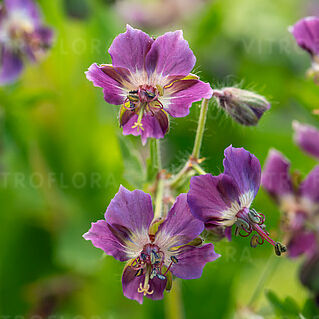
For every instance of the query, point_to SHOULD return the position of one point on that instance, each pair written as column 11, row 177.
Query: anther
column 174, row 259
column 279, row 249
column 139, row 273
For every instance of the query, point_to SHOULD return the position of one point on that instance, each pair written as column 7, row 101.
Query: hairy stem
column 160, row 183
column 178, row 179
column 200, row 129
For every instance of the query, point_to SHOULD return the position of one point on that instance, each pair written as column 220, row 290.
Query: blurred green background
column 63, row 157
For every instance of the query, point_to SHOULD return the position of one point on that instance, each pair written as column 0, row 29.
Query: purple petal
column 153, row 126
column 180, row 223
column 210, row 196
column 109, row 81
column 306, row 33
column 179, row 97
column 132, row 210
column 11, row 66
column 27, row 7
column 43, row 36
column 191, row 261
column 307, row 138
column 129, row 49
column 310, row 186
column 170, row 55
column 131, row 283
column 103, row 238
column 276, row 178
column 302, row 242
column 244, row 168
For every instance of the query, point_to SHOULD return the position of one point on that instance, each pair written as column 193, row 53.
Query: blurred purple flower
column 22, row 36
column 149, row 79
column 306, row 33
column 153, row 250
column 145, row 13
column 307, row 138
column 225, row 200
column 298, row 202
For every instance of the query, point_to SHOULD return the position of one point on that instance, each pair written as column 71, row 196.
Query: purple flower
column 153, row 250
column 226, row 199
column 306, row 33
column 22, row 36
column 149, row 79
column 298, row 202
column 307, row 138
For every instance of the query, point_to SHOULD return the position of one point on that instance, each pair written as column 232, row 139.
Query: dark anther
column 133, row 92
column 256, row 240
column 279, row 248
column 151, row 95
column 139, row 273
column 160, row 276
column 174, row 259
column 143, row 256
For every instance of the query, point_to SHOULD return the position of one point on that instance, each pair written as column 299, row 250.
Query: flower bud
column 243, row 106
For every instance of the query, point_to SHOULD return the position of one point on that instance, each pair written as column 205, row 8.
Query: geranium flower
column 307, row 138
column 149, row 79
column 226, row 199
column 22, row 36
column 153, row 250
column 306, row 33
column 300, row 203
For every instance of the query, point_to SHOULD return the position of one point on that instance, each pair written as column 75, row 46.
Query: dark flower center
column 144, row 100
column 150, row 263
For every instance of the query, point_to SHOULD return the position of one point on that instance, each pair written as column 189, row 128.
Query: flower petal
column 131, row 283
column 179, row 96
column 170, row 55
column 309, row 188
column 276, row 178
column 244, row 168
column 129, row 49
column 103, row 238
column 307, row 138
column 302, row 242
column 180, row 226
column 191, row 261
column 132, row 210
column 11, row 66
column 154, row 126
column 27, row 7
column 109, row 81
column 214, row 199
column 306, row 33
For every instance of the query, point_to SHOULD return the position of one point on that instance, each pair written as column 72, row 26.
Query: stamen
column 138, row 124
column 145, row 289
column 251, row 220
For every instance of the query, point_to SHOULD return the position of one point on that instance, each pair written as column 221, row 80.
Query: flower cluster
column 150, row 79
column 22, row 36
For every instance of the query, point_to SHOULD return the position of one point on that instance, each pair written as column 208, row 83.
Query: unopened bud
column 243, row 106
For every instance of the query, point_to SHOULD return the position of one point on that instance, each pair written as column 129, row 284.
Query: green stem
column 189, row 165
column 200, row 129
column 173, row 302
column 198, row 169
column 160, row 183
column 269, row 269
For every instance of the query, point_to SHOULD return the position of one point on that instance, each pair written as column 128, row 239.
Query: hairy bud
column 243, row 106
